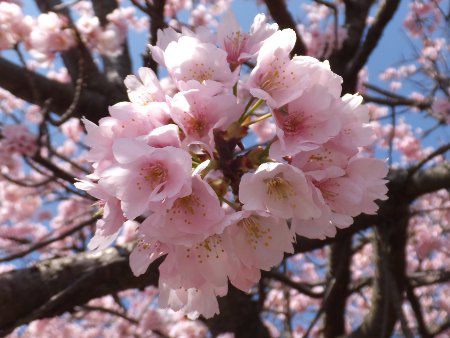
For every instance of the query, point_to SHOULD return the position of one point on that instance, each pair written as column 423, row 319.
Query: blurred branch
column 334, row 8
column 14, row 78
column 281, row 15
column 157, row 22
column 49, row 241
column 30, row 293
column 439, row 151
column 302, row 288
column 386, row 11
column 417, row 309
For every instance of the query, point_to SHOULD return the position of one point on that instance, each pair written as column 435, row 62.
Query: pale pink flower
column 369, row 174
column 165, row 36
column 51, row 34
column 164, row 136
column 241, row 47
column 192, row 301
column 258, row 239
column 191, row 59
column 146, row 174
column 14, row 25
column 276, row 78
column 127, row 121
column 201, row 16
column 323, row 162
column 206, row 262
column 112, row 219
column 280, row 189
column 144, row 253
column 146, row 89
column 199, row 111
column 305, row 123
column 188, row 329
column 72, row 129
column 356, row 130
column 189, row 219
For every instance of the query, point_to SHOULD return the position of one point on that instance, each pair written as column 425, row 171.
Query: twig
column 321, row 309
column 439, row 151
column 300, row 287
column 76, row 97
column 43, row 244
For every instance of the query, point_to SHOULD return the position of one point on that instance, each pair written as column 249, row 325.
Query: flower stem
column 259, row 119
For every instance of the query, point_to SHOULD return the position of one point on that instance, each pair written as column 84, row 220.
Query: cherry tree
column 225, row 181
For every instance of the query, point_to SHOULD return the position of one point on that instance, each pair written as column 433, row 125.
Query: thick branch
column 279, row 12
column 429, row 180
column 25, row 291
column 385, row 13
column 14, row 79
column 340, row 261
column 356, row 12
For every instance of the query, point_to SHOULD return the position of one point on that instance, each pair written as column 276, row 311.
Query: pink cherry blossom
column 191, row 59
column 356, row 132
column 276, row 78
column 199, row 111
column 241, row 47
column 145, row 90
column 190, row 219
column 280, row 189
column 258, row 239
column 145, row 174
column 18, row 139
column 50, row 35
column 370, row 174
column 305, row 123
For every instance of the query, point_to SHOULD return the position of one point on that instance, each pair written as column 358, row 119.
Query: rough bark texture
column 39, row 291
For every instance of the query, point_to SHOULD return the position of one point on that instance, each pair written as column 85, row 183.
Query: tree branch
column 60, row 95
column 107, row 272
column 385, row 13
column 281, row 15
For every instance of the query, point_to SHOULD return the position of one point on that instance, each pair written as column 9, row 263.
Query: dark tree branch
column 417, row 309
column 385, row 13
column 429, row 180
column 302, row 288
column 43, row 244
column 356, row 12
column 59, row 95
column 439, row 151
column 334, row 308
column 426, row 278
column 156, row 13
column 281, row 15
column 106, row 272
column 238, row 314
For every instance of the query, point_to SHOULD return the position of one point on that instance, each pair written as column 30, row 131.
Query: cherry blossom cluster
column 218, row 212
column 50, row 32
